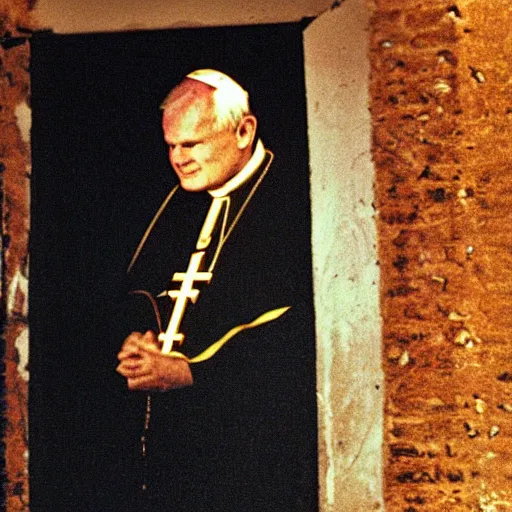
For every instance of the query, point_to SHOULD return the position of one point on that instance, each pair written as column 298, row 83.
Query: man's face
column 203, row 156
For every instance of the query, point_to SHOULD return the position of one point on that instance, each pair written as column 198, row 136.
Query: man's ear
column 246, row 132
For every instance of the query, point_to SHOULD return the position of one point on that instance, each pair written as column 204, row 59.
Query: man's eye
column 185, row 145
column 189, row 144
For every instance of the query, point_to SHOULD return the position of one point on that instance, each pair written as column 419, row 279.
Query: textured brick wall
column 14, row 170
column 441, row 91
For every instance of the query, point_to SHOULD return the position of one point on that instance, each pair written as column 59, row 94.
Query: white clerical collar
column 242, row 176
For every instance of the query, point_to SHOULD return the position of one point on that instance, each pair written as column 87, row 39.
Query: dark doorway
column 100, row 170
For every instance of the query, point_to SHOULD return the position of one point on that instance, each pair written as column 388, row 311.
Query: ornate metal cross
column 181, row 297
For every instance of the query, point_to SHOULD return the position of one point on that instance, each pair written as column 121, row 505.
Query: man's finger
column 140, row 383
column 147, row 347
column 149, row 343
column 131, row 353
column 131, row 372
column 131, row 364
column 132, row 338
column 129, row 347
column 150, row 336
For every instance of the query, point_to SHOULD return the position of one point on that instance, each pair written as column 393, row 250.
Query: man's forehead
column 189, row 117
column 188, row 102
column 186, row 92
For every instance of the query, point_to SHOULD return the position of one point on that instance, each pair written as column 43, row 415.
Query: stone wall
column 15, row 26
column 441, row 89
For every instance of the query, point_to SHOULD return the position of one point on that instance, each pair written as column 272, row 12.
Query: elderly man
column 222, row 316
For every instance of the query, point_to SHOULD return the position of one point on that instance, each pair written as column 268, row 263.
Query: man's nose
column 178, row 154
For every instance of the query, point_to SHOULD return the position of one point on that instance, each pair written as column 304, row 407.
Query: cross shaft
column 181, row 297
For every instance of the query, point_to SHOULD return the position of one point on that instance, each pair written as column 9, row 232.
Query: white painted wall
column 346, row 282
column 74, row 16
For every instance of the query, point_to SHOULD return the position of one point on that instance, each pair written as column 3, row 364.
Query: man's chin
column 193, row 185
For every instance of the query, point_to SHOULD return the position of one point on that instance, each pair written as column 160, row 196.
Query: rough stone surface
column 441, row 105
column 15, row 25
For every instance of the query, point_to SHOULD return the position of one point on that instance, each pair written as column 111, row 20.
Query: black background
column 100, row 170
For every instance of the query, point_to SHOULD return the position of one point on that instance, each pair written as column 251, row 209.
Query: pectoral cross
column 181, row 297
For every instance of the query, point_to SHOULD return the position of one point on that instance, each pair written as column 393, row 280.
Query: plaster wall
column 63, row 16
column 350, row 392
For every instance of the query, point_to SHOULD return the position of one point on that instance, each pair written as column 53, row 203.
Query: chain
column 143, row 442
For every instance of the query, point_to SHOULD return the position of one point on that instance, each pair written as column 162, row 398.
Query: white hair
column 230, row 100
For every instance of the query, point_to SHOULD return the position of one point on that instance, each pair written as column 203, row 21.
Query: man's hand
column 146, row 368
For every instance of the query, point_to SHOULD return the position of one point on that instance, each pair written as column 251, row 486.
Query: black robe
column 243, row 437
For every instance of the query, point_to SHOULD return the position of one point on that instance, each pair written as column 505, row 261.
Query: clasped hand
column 146, row 368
